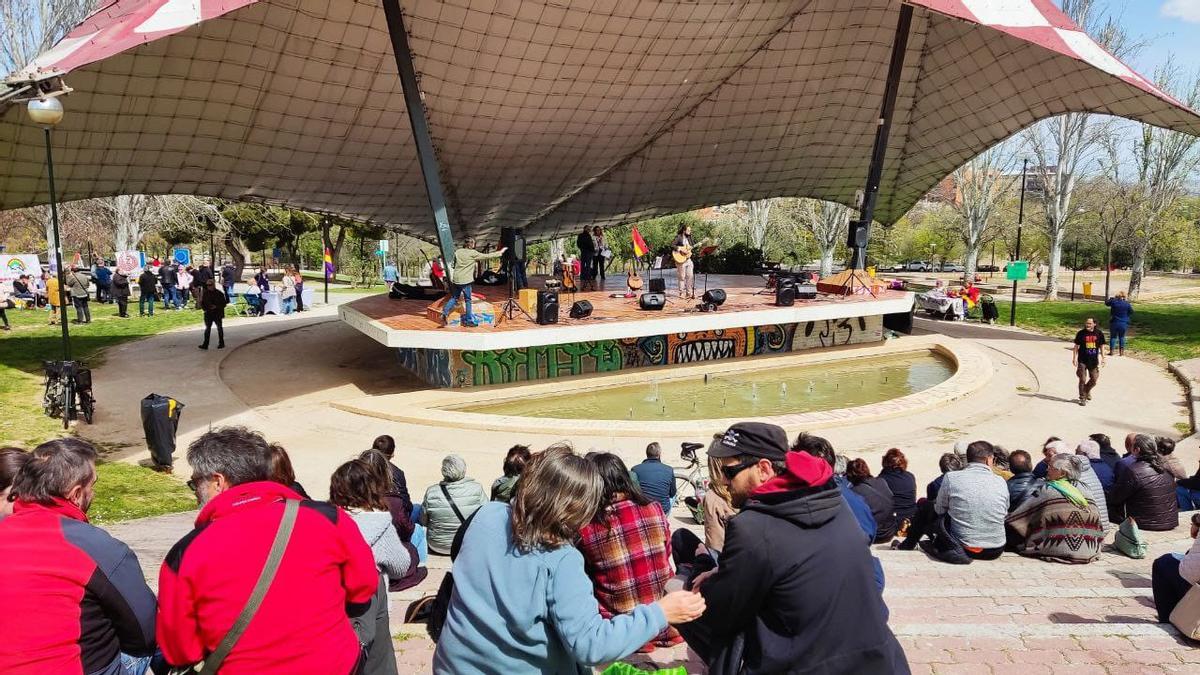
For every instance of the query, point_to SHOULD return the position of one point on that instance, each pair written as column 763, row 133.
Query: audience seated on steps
column 1091, row 478
column 1173, row 575
column 902, row 484
column 514, row 463
column 1145, row 490
column 923, row 522
column 1059, row 521
column 876, row 493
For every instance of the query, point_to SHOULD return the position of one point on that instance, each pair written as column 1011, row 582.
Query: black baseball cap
column 751, row 438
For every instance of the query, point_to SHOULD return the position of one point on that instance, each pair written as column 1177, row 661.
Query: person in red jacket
column 74, row 599
column 327, row 570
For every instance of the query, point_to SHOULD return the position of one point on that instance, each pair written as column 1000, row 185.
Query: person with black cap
column 794, row 583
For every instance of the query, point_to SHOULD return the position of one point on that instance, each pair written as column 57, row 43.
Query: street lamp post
column 1012, row 308
column 47, row 113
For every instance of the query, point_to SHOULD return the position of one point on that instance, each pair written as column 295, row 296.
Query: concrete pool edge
column 973, row 369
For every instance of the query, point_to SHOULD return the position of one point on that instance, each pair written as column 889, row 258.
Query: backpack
column 1129, row 540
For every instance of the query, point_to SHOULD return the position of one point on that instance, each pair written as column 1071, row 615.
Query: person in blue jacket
column 1120, row 311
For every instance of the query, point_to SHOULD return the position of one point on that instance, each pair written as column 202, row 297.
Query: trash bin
column 1087, row 288
column 160, row 421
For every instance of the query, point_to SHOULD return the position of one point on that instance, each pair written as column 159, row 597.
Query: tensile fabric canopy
column 549, row 116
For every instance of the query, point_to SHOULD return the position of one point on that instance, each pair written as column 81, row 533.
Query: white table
column 271, row 303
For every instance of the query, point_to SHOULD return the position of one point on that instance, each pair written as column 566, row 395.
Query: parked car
column 918, row 266
column 988, row 268
column 953, row 267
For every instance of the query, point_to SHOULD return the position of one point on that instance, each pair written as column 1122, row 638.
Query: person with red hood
column 302, row 625
column 794, row 586
column 74, row 598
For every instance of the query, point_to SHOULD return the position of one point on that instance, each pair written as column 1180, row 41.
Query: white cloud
column 1186, row 10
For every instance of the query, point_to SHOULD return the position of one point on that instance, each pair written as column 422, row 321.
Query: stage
column 619, row 335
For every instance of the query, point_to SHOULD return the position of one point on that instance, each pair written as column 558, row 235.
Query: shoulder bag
column 212, row 662
column 432, row 609
column 1186, row 615
column 1129, row 540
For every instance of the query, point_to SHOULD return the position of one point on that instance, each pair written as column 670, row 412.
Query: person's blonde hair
column 560, row 492
column 716, row 481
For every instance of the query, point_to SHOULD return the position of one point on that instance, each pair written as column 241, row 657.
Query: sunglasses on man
column 730, row 471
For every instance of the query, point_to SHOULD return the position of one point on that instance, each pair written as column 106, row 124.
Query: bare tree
column 1119, row 201
column 129, row 218
column 1063, row 146
column 981, row 183
column 828, row 222
column 30, row 27
column 1165, row 161
column 757, row 213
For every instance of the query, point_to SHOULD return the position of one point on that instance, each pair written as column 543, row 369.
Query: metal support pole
column 1012, row 310
column 858, row 246
column 58, row 260
column 325, row 247
column 420, row 127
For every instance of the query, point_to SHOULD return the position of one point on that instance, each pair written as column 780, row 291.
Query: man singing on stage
column 684, row 267
column 462, row 275
column 1087, row 356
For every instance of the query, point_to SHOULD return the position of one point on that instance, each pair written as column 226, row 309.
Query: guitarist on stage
column 684, row 267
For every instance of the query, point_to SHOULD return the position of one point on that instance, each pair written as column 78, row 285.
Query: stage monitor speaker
column 652, row 301
column 581, row 309
column 714, row 297
column 901, row 322
column 514, row 240
column 547, row 307
column 858, row 234
column 658, row 285
column 806, row 291
column 785, row 295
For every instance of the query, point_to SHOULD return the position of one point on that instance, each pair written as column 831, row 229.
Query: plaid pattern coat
column 628, row 557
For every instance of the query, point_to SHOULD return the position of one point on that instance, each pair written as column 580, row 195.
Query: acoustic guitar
column 634, row 281
column 682, row 254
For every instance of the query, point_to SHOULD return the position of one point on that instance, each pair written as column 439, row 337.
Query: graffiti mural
column 472, row 368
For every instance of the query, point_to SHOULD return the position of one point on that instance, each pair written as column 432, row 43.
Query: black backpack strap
column 452, row 504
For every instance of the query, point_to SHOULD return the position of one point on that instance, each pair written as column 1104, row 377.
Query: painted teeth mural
column 475, row 368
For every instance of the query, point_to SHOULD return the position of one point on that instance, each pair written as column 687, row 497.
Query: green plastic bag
column 620, row 668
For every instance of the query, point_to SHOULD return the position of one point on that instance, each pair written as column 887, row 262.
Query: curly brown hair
column 894, row 459
column 560, row 493
column 858, row 470
column 355, row 485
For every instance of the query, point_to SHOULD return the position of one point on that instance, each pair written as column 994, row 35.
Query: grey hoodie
column 390, row 555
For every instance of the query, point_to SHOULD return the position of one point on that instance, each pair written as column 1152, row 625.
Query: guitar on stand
column 632, row 280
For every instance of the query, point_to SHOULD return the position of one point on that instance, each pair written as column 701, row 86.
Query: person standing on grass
column 1120, row 313
column 4, row 303
column 78, row 282
column 120, row 293
column 103, row 278
column 168, row 276
column 228, row 278
column 1088, row 357
column 54, row 298
column 148, row 289
column 213, row 303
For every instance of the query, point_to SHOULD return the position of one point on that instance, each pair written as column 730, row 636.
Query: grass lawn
column 1170, row 332
column 123, row 490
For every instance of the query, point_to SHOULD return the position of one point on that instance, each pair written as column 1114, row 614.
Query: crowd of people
column 568, row 561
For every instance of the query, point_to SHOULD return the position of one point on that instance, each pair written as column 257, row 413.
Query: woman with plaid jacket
column 627, row 547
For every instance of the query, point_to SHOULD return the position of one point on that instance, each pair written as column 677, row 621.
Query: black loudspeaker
column 581, row 309
column 658, row 285
column 858, row 234
column 901, row 322
column 806, row 291
column 714, row 297
column 785, row 295
column 547, row 307
column 514, row 240
column 652, row 300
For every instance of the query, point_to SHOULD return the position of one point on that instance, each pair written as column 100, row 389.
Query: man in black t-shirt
column 1087, row 356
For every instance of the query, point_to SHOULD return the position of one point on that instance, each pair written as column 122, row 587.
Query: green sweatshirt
column 463, row 271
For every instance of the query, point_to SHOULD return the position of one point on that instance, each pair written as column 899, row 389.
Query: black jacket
column 1146, row 495
column 213, row 302
column 202, row 276
column 876, row 493
column 120, row 285
column 795, row 591
column 587, row 245
column 904, row 491
column 148, row 283
column 169, row 275
column 1020, row 486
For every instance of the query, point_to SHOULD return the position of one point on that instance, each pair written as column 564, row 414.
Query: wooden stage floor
column 404, row 323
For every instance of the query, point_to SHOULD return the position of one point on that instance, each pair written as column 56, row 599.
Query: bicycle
column 692, row 482
column 68, row 391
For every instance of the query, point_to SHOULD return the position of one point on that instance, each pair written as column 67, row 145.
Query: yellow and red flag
column 639, row 245
column 328, row 263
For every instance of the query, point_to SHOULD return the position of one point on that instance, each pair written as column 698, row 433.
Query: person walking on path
column 228, row 278
column 1088, row 356
column 120, row 293
column 1120, row 312
column 1041, row 269
column 54, row 298
column 213, row 303
column 390, row 274
column 148, row 289
column 77, row 284
column 462, row 275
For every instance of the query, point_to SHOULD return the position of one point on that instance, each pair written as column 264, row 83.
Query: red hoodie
column 302, row 626
column 804, row 471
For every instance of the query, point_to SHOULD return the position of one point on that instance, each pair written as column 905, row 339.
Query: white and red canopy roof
column 550, row 115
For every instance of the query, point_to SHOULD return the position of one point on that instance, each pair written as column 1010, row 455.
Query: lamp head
column 45, row 112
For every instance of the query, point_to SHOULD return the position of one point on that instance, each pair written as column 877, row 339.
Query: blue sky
column 1167, row 26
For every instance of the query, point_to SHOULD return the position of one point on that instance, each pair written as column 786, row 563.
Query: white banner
column 13, row 266
column 130, row 263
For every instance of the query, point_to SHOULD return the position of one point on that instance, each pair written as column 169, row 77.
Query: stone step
column 998, row 631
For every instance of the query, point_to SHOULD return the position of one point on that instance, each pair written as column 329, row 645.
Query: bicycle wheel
column 68, row 402
column 684, row 488
column 87, row 405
